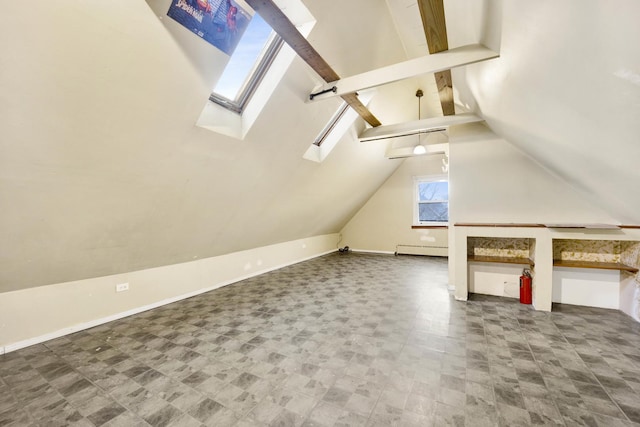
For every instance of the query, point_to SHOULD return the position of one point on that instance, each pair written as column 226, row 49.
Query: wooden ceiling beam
column 445, row 91
column 435, row 29
column 355, row 103
column 272, row 14
column 434, row 24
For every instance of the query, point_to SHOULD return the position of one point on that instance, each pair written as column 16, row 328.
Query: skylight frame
column 255, row 76
column 342, row 110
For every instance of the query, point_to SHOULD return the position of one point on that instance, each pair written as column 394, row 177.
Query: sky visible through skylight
column 244, row 58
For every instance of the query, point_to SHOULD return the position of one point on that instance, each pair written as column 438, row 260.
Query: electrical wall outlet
column 122, row 287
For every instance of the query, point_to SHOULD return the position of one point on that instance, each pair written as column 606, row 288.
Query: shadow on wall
column 491, row 32
column 206, row 59
column 608, row 201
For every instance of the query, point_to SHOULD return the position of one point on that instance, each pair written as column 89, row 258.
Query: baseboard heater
column 422, row 250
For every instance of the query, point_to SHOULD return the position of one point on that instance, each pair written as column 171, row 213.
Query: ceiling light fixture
column 425, row 145
column 419, row 149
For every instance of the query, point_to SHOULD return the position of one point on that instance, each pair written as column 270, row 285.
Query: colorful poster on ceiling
column 220, row 22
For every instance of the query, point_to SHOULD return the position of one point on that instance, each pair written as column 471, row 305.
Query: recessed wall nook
column 590, row 265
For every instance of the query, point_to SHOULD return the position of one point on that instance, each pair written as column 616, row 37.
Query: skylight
column 332, row 124
column 249, row 62
column 253, row 82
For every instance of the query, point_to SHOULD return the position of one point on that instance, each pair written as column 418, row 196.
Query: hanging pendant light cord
column 419, row 148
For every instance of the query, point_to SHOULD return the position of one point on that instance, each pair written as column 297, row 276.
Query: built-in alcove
column 594, row 273
column 582, row 264
column 503, row 250
column 496, row 263
column 598, row 254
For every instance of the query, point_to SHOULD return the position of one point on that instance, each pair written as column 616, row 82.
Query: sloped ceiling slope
column 566, row 90
column 102, row 169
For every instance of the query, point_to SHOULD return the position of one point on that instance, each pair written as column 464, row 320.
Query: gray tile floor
column 342, row 340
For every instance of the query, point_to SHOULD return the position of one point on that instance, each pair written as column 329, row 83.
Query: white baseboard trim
column 367, row 251
column 97, row 322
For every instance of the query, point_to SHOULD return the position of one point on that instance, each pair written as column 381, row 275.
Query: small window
column 431, row 203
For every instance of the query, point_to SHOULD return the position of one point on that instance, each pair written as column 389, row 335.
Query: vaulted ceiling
column 103, row 171
column 566, row 91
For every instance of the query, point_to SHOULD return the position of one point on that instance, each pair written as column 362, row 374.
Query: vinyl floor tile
column 341, row 340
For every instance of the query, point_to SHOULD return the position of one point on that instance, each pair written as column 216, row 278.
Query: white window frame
column 336, row 129
column 224, row 120
column 416, row 198
column 253, row 79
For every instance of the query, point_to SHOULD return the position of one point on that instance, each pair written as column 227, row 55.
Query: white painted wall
column 493, row 181
column 103, row 171
column 38, row 314
column 385, row 220
column 588, row 287
column 565, row 90
column 630, row 295
column 501, row 280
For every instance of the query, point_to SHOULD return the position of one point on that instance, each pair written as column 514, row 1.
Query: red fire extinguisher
column 525, row 287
